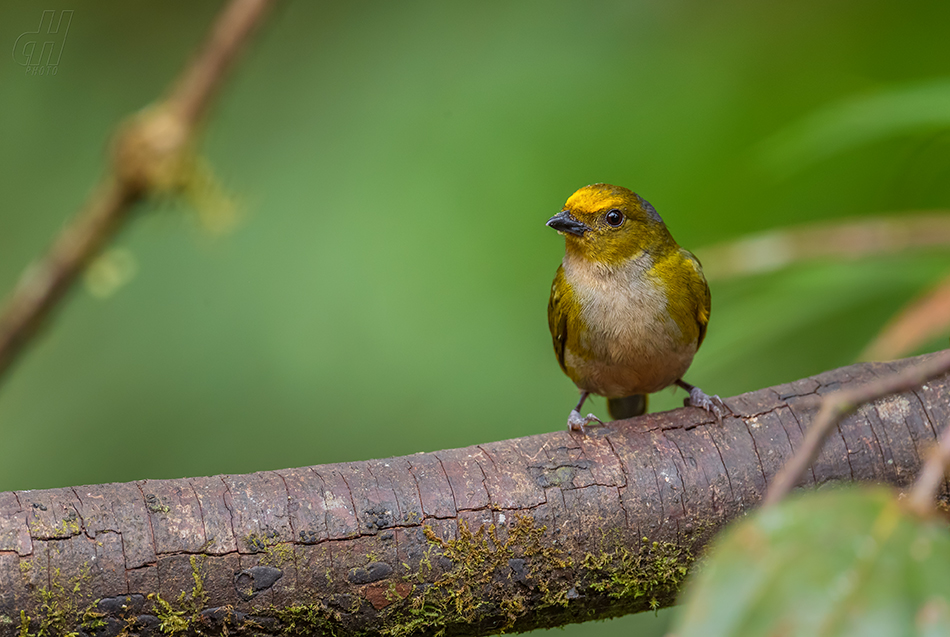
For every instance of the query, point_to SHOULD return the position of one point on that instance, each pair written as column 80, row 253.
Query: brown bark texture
column 505, row 536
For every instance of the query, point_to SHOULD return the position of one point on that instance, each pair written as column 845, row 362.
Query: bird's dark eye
column 614, row 217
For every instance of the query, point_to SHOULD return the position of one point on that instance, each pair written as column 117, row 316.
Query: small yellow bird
column 628, row 306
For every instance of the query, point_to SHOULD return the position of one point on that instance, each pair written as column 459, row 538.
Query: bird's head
column 609, row 225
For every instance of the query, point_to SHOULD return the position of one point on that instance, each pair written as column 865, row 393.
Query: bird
column 628, row 307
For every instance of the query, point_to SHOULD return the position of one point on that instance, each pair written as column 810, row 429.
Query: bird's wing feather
column 700, row 288
column 557, row 317
column 702, row 316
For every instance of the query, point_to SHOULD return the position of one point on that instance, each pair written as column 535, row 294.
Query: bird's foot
column 712, row 404
column 576, row 422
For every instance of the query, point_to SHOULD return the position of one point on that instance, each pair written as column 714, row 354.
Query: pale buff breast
column 628, row 344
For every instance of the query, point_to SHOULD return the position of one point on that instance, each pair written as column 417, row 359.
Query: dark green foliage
column 845, row 562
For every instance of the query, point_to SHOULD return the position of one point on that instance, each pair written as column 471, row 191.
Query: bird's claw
column 576, row 422
column 712, row 404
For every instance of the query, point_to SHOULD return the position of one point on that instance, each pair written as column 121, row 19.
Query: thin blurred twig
column 149, row 152
column 849, row 239
column 839, row 404
column 921, row 321
column 925, row 489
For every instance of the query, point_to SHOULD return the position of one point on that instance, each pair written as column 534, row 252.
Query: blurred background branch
column 152, row 155
column 924, row 319
column 848, row 239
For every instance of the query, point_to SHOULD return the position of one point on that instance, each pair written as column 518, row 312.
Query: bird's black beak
column 564, row 221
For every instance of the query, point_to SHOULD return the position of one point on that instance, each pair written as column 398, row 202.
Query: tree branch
column 149, row 153
column 512, row 535
column 839, row 404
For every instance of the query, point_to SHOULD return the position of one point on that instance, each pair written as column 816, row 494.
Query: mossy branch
column 500, row 537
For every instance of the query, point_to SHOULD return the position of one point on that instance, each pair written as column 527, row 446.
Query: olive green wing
column 703, row 316
column 700, row 289
column 557, row 316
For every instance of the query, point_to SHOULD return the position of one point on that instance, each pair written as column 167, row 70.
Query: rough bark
column 511, row 535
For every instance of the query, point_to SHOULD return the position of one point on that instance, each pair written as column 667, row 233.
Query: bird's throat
column 581, row 269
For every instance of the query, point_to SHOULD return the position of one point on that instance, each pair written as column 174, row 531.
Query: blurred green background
column 394, row 163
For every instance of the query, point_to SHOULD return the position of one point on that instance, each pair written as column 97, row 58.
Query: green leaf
column 839, row 562
column 843, row 125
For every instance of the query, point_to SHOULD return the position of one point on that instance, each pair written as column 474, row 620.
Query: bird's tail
column 627, row 407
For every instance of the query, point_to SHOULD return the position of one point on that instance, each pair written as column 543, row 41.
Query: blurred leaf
column 924, row 319
column 844, row 125
column 215, row 207
column 110, row 271
column 840, row 562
